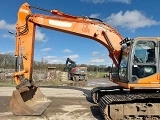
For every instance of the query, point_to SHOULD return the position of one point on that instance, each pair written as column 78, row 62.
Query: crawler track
column 98, row 92
column 128, row 105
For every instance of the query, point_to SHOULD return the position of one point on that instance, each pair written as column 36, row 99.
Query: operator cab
column 139, row 60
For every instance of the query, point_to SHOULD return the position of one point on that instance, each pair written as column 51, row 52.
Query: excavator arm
column 80, row 26
column 70, row 61
column 73, row 64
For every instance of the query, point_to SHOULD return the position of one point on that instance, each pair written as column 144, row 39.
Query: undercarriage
column 118, row 104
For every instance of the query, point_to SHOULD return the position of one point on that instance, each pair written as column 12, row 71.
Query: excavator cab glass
column 142, row 60
column 124, row 63
column 123, row 67
column 144, row 52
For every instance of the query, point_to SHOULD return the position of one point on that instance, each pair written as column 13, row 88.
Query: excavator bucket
column 31, row 102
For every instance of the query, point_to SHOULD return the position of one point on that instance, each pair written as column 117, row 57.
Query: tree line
column 7, row 61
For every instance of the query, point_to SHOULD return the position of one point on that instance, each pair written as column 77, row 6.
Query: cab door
column 144, row 60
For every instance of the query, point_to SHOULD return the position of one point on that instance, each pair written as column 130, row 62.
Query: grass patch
column 97, row 74
column 7, row 83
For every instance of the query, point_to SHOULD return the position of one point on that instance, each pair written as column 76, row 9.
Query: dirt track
column 68, row 103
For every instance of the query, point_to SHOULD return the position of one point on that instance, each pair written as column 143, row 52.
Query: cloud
column 8, row 36
column 54, row 59
column 93, row 1
column 100, row 61
column 8, row 52
column 74, row 56
column 5, row 26
column 67, row 51
column 46, row 49
column 94, row 53
column 60, row 60
column 130, row 20
column 97, row 60
column 120, row 1
column 94, row 15
column 49, row 57
column 106, row 1
column 109, row 62
column 39, row 36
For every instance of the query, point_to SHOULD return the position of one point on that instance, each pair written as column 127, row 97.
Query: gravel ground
column 68, row 103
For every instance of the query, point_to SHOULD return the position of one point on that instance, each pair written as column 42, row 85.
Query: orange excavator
column 75, row 72
column 136, row 95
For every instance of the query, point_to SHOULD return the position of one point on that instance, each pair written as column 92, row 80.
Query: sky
column 132, row 18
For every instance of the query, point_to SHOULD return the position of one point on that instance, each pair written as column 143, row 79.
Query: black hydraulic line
column 40, row 8
column 95, row 19
column 16, row 64
column 108, row 41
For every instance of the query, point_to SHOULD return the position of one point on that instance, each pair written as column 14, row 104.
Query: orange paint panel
column 149, row 80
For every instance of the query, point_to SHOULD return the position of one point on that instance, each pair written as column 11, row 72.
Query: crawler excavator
column 75, row 72
column 136, row 95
